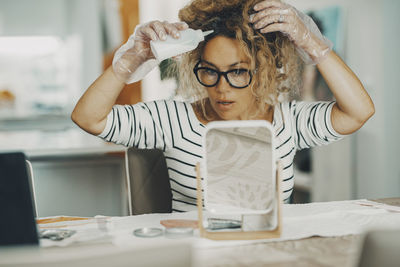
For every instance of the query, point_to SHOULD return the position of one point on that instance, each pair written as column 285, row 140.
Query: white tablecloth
column 299, row 221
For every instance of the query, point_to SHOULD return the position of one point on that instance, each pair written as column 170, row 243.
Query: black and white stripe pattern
column 300, row 125
column 173, row 127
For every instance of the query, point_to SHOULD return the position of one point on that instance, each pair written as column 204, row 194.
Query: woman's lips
column 225, row 104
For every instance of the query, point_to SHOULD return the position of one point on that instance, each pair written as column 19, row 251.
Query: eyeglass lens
column 236, row 77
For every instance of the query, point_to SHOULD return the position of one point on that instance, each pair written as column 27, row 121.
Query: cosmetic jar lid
column 178, row 232
column 148, row 232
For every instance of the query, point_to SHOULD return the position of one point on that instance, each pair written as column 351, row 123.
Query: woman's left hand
column 274, row 15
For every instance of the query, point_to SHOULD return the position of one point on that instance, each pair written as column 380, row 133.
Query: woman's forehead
column 224, row 52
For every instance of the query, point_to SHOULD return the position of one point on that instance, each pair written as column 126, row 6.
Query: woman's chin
column 227, row 116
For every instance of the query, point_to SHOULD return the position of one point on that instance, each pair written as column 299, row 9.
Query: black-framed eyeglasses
column 237, row 78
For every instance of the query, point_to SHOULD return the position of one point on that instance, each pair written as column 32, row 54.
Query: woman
column 237, row 73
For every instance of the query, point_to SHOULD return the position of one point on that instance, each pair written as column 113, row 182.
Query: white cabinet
column 74, row 173
column 77, row 185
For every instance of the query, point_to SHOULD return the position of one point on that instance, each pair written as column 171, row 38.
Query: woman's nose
column 223, row 85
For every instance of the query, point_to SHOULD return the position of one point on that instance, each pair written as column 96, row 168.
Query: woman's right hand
column 136, row 51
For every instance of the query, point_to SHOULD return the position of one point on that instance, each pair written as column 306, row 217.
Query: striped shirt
column 173, row 127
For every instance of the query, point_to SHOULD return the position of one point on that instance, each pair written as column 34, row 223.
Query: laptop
column 17, row 211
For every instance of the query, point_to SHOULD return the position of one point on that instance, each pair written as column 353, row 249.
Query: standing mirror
column 240, row 188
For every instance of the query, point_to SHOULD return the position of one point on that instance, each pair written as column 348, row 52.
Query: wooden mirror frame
column 241, row 235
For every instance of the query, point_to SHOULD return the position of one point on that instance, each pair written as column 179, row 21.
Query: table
column 313, row 251
column 341, row 248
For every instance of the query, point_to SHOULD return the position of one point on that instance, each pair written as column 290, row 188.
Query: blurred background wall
column 367, row 163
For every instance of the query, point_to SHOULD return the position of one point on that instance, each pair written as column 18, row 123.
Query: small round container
column 178, row 232
column 148, row 232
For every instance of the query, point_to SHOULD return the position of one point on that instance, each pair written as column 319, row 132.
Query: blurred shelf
column 58, row 143
column 48, row 122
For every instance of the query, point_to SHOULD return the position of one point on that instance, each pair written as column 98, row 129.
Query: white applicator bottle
column 189, row 39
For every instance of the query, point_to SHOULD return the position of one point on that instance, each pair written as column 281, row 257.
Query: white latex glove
column 274, row 15
column 133, row 60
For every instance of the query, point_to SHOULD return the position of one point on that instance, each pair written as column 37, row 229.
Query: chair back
column 149, row 189
column 380, row 248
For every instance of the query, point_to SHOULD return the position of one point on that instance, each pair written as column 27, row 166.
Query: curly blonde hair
column 272, row 55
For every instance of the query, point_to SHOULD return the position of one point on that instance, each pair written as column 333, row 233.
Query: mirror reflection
column 240, row 173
